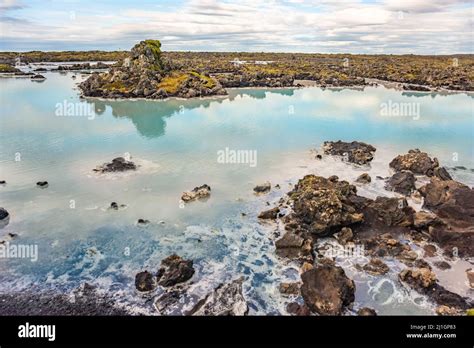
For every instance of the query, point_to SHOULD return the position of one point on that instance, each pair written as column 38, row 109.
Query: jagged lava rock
column 415, row 161
column 354, row 152
column 402, row 182
column 174, row 270
column 200, row 192
column 323, row 204
column 145, row 281
column 327, row 290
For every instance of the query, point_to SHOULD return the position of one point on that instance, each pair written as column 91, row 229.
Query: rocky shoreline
column 324, row 207
column 315, row 209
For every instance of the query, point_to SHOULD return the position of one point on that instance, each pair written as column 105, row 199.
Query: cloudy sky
column 327, row 26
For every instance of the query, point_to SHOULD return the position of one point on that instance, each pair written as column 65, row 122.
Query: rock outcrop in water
column 419, row 163
column 146, row 74
column 118, row 164
column 174, row 270
column 200, row 192
column 326, row 290
column 354, row 152
column 145, row 281
column 322, row 206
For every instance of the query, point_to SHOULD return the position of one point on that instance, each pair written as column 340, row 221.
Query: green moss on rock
column 208, row 81
column 172, row 83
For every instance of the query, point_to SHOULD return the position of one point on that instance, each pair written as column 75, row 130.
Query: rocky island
column 146, row 74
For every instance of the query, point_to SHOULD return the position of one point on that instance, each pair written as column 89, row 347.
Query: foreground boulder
column 146, row 74
column 419, row 163
column 200, row 192
column 326, row 290
column 402, row 182
column 353, row 152
column 174, row 270
column 323, row 205
column 453, row 204
column 225, row 300
column 118, row 164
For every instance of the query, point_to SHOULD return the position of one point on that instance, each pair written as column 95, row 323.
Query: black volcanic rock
column 3, row 214
column 174, row 270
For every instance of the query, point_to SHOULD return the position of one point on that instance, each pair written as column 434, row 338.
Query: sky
column 325, row 26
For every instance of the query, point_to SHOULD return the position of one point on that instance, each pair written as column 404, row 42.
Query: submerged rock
column 118, row 164
column 174, row 270
column 353, row 152
column 402, row 182
column 145, row 281
column 263, row 188
column 200, row 192
column 326, row 290
column 225, row 300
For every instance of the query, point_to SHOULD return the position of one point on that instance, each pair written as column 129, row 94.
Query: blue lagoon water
column 176, row 143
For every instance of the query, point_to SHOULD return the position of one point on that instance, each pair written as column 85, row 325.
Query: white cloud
column 406, row 26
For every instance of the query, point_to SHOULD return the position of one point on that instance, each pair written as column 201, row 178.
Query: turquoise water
column 176, row 143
